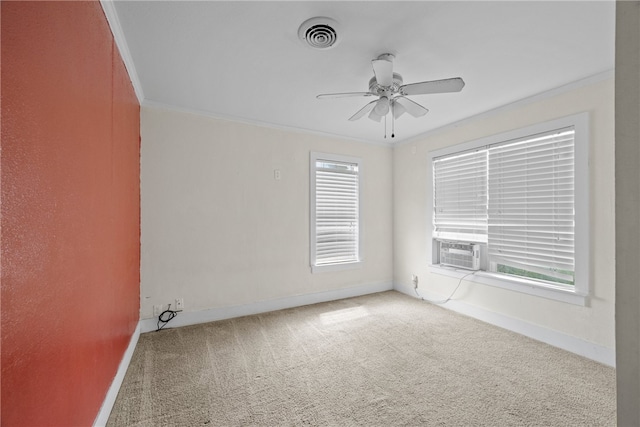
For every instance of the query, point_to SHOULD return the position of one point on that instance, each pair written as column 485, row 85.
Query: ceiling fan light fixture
column 375, row 116
column 382, row 106
column 319, row 33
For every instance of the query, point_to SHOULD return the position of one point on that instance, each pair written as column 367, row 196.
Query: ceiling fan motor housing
column 319, row 33
column 374, row 87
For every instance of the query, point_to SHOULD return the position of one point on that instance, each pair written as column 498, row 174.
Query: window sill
column 514, row 284
column 336, row 267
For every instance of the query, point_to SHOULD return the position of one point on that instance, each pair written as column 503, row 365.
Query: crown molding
column 111, row 14
column 167, row 107
column 587, row 81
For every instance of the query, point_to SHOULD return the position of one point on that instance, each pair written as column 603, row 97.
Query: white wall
column 219, row 231
column 594, row 323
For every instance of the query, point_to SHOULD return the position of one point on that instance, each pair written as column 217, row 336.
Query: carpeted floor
column 378, row 360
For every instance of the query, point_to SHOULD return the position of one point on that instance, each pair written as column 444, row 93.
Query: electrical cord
column 170, row 315
column 415, row 288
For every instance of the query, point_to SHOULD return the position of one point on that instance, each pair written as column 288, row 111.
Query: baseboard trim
column 112, row 393
column 221, row 313
column 558, row 339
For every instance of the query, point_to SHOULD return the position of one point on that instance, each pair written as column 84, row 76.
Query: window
column 335, row 211
column 521, row 199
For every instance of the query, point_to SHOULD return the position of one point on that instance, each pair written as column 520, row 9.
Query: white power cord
column 415, row 288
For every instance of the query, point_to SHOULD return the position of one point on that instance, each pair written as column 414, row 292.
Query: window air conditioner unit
column 460, row 255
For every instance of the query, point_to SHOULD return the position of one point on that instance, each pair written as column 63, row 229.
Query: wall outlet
column 158, row 309
column 414, row 280
column 179, row 303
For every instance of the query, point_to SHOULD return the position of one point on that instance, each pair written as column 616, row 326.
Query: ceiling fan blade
column 364, row 110
column 398, row 109
column 383, row 69
column 343, row 95
column 435, row 86
column 413, row 108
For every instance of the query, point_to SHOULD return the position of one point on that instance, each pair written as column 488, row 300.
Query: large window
column 335, row 211
column 515, row 206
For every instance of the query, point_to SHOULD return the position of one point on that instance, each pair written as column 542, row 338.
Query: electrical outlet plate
column 179, row 303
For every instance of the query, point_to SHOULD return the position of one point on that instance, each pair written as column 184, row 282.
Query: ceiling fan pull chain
column 385, row 127
column 393, row 120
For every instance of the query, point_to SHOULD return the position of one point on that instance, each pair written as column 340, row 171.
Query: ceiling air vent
column 319, row 33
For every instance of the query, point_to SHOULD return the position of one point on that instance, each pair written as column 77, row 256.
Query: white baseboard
column 211, row 315
column 112, row 393
column 561, row 340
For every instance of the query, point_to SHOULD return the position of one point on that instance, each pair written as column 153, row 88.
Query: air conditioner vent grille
column 462, row 255
column 319, row 33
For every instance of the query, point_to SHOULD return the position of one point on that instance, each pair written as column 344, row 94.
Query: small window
column 515, row 206
column 335, row 211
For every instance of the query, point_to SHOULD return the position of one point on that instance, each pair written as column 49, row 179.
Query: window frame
column 313, row 157
column 578, row 294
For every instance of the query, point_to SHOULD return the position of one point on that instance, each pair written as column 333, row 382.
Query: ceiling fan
column 392, row 93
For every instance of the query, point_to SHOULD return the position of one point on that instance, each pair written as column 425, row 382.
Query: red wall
column 70, row 212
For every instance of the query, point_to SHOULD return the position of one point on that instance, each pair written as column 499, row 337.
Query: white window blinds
column 531, row 207
column 337, row 229
column 460, row 197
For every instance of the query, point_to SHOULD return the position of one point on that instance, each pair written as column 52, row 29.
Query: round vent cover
column 319, row 33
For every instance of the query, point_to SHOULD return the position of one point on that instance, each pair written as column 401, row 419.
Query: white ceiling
column 243, row 60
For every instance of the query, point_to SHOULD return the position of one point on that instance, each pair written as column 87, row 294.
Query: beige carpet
column 379, row 360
